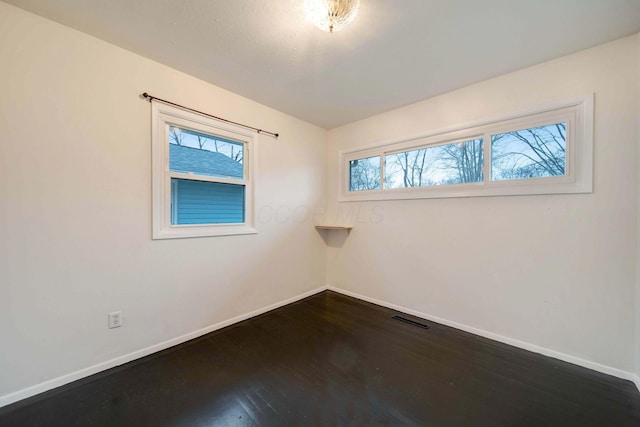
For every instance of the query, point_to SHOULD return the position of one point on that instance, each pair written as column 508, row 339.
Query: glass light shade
column 331, row 15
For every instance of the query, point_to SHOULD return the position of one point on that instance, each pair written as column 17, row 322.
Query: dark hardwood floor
column 331, row 360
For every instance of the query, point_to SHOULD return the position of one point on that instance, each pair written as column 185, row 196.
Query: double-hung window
column 548, row 151
column 202, row 175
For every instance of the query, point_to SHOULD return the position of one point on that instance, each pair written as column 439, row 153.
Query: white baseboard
column 496, row 337
column 82, row 373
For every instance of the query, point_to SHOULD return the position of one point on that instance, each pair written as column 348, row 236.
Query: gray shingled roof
column 189, row 159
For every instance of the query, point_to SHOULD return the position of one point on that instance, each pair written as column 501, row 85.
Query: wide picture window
column 202, row 175
column 548, row 151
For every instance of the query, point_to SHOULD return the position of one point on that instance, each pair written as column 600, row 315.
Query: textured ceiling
column 396, row 52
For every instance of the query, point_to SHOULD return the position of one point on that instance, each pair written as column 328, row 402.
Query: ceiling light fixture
column 331, row 15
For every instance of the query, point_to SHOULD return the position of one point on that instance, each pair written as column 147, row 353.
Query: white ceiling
column 396, row 52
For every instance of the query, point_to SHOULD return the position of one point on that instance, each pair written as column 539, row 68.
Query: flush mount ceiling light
column 331, row 15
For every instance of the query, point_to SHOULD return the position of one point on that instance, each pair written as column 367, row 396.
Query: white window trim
column 162, row 117
column 577, row 113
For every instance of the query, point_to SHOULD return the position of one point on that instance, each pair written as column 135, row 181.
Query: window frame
column 163, row 117
column 578, row 178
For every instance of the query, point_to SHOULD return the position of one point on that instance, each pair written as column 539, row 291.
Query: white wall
column 75, row 207
column 558, row 272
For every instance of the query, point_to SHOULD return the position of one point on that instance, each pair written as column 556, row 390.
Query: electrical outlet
column 115, row 319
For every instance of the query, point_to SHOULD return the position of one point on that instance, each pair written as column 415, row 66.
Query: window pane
column 364, row 174
column 200, row 202
column 202, row 154
column 529, row 153
column 456, row 163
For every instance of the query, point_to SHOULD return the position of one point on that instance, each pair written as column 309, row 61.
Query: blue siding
column 200, row 202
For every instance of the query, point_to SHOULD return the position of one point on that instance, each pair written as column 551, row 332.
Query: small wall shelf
column 332, row 227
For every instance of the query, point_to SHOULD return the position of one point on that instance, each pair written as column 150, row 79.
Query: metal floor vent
column 411, row 322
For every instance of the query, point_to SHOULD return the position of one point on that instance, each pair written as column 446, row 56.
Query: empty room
column 319, row 213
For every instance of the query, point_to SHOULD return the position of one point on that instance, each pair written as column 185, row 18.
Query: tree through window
column 529, row 153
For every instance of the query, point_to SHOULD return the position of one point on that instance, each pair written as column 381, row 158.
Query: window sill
column 186, row 232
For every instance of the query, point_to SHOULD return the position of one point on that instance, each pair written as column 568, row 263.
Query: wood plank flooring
column 331, row 360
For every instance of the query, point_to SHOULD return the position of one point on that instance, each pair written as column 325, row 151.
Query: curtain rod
column 151, row 98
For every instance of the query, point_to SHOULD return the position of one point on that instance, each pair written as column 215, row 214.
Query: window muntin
column 529, row 153
column 202, row 175
column 454, row 163
column 569, row 126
